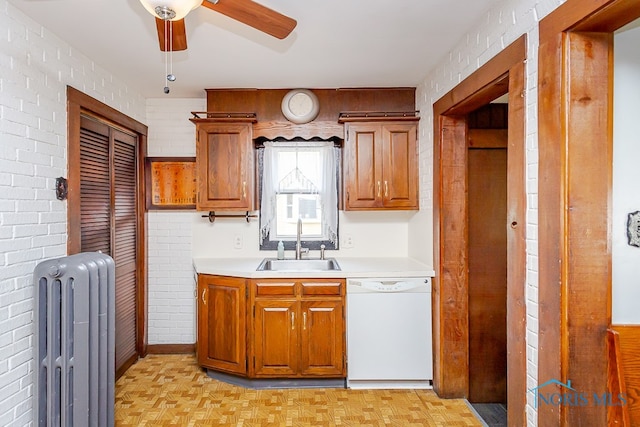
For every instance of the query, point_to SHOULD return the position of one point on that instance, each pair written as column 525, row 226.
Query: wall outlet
column 237, row 241
column 347, row 241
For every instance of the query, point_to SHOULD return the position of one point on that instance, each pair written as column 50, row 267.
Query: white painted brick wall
column 497, row 29
column 35, row 68
column 171, row 278
column 170, row 131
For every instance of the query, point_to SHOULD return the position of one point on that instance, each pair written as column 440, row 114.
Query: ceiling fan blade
column 176, row 35
column 254, row 15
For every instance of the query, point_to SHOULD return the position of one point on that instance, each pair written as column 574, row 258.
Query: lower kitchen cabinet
column 222, row 328
column 287, row 328
column 298, row 328
column 275, row 338
column 322, row 338
column 298, row 338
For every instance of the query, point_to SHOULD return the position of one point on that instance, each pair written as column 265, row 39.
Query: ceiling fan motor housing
column 170, row 10
column 165, row 13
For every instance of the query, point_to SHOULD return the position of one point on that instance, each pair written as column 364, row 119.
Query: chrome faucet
column 299, row 249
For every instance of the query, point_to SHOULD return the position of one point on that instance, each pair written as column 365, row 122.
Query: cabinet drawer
column 275, row 289
column 322, row 288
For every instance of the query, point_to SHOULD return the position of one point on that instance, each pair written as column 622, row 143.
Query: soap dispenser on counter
column 280, row 250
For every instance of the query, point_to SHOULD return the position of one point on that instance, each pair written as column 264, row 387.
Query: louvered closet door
column 108, row 186
column 124, row 246
column 95, row 187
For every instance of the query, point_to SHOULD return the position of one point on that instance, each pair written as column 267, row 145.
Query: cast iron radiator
column 75, row 342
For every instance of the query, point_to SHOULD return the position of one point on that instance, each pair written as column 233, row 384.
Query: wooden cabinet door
column 222, row 323
column 363, row 166
column 224, row 166
column 381, row 166
column 275, row 344
column 322, row 338
column 400, row 166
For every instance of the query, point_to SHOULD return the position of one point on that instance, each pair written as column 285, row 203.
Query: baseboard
column 171, row 349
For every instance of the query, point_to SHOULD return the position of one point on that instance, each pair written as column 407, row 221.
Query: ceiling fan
column 170, row 18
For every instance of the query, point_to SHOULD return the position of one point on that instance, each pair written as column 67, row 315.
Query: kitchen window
column 299, row 180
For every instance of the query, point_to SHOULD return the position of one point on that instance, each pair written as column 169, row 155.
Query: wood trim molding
column 100, row 109
column 516, row 249
column 503, row 74
column 171, row 349
column 485, row 84
column 451, row 366
column 575, row 147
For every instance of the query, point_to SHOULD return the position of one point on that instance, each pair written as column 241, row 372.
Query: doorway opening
column 487, row 215
column 458, row 314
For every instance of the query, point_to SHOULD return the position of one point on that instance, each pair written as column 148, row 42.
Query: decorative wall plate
column 300, row 106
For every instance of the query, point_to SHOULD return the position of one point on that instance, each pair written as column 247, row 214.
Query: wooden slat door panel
column 124, row 239
column 95, row 188
column 109, row 220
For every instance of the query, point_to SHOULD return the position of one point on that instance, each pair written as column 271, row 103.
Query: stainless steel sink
column 273, row 264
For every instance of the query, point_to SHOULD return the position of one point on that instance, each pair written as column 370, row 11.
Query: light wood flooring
column 173, row 390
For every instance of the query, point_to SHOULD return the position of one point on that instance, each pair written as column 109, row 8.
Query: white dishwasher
column 389, row 342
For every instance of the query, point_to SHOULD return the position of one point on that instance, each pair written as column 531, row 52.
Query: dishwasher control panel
column 366, row 285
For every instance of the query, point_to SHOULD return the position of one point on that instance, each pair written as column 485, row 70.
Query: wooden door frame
column 79, row 103
column 575, row 109
column 505, row 73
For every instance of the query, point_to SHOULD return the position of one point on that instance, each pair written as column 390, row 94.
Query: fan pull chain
column 170, row 76
column 167, row 25
column 168, row 54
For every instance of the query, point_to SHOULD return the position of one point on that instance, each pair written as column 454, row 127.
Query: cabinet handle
column 293, row 321
column 304, row 321
column 379, row 189
column 386, row 189
column 244, row 189
column 204, row 291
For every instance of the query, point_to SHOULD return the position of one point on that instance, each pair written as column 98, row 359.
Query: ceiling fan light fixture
column 170, row 10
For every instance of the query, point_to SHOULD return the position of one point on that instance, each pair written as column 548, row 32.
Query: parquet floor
column 171, row 390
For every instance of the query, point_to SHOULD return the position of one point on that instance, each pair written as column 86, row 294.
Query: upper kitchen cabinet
column 381, row 166
column 224, row 165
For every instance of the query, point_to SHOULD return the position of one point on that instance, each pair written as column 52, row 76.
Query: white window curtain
column 322, row 175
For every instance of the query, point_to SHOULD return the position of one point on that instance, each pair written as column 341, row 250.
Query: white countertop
column 349, row 268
